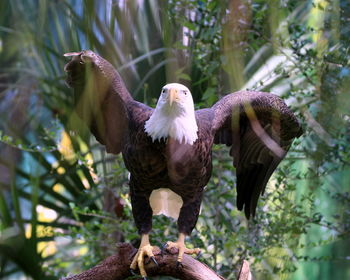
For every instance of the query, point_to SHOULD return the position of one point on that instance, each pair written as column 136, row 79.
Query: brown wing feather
column 260, row 128
column 100, row 98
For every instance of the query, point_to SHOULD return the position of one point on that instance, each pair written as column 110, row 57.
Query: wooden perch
column 244, row 273
column 117, row 267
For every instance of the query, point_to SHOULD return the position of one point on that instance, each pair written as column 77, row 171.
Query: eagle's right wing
column 101, row 98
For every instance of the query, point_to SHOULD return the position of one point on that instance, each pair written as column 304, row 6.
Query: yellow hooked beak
column 173, row 95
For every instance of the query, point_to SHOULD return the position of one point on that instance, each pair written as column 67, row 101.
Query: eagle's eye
column 185, row 92
column 163, row 91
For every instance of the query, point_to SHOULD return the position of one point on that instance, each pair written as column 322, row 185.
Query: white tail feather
column 165, row 202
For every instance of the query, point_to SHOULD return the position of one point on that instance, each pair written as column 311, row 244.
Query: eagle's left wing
column 260, row 129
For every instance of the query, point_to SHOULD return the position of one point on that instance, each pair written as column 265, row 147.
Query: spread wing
column 100, row 98
column 260, row 129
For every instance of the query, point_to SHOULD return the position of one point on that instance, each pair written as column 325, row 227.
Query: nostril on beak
column 173, row 96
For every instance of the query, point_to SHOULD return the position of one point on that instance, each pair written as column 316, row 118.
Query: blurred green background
column 64, row 202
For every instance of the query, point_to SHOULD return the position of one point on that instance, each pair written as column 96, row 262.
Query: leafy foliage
column 297, row 49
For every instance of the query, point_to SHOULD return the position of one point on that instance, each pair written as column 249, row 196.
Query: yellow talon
column 180, row 245
column 145, row 250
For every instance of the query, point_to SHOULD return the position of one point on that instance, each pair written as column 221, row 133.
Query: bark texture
column 117, row 267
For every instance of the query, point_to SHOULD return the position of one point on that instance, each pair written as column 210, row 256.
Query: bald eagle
column 168, row 150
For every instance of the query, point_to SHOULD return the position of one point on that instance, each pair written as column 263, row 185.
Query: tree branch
column 244, row 273
column 116, row 267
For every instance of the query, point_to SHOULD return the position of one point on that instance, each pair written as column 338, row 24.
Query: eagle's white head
column 174, row 116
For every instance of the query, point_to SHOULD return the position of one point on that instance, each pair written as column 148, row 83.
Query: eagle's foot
column 180, row 245
column 145, row 250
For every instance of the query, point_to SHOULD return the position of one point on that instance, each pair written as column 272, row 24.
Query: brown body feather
column 259, row 127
